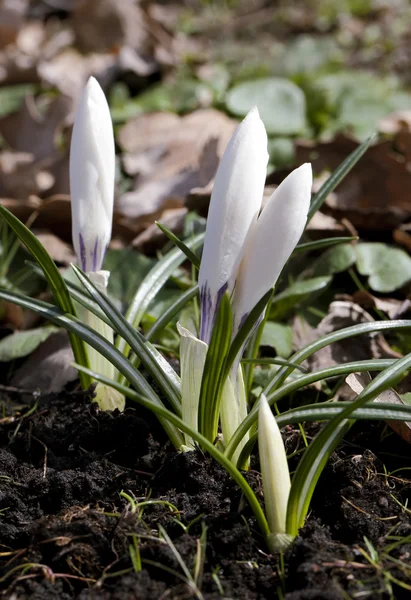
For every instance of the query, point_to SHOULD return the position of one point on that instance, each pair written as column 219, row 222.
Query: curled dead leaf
column 375, row 193
column 358, row 381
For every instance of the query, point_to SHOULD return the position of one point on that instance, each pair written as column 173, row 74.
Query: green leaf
column 297, row 294
column 317, row 454
column 294, row 384
column 91, row 337
column 152, row 284
column 324, row 243
column 171, row 312
column 279, row 337
column 358, row 100
column 210, row 392
column 127, row 270
column 328, row 410
column 335, row 260
column 163, row 375
column 23, row 343
column 55, row 281
column 276, row 383
column 281, row 151
column 12, row 96
column 193, row 258
column 280, row 102
column 156, row 278
column 386, row 267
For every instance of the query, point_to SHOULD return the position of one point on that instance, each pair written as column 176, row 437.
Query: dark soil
column 66, row 532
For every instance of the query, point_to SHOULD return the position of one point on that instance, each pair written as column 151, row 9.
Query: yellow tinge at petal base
column 192, row 358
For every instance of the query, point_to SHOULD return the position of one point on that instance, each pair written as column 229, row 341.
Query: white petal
column 274, row 237
column 274, row 468
column 234, row 206
column 92, row 172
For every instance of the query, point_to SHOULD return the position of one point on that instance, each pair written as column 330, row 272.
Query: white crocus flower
column 234, row 206
column 275, row 475
column 243, row 253
column 272, row 240
column 92, row 174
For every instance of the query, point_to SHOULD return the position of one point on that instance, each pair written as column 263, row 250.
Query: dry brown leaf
column 49, row 368
column 390, row 306
column 343, row 314
column 153, row 238
column 108, row 24
column 29, row 131
column 69, row 70
column 58, row 250
column 165, row 154
column 358, row 381
column 375, row 193
column 12, row 14
column 402, row 237
column 21, row 177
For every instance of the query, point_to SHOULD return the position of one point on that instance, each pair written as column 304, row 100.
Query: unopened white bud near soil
column 275, row 475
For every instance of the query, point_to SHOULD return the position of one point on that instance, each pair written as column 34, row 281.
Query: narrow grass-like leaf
column 251, row 353
column 320, row 449
column 324, row 243
column 203, row 442
column 55, row 281
column 385, row 411
column 152, row 284
column 171, row 312
column 165, row 377
column 211, row 389
column 337, row 176
column 330, row 338
column 193, row 258
column 75, row 292
column 273, row 361
column 99, row 343
column 300, row 382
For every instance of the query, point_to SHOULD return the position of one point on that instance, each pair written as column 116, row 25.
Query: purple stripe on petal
column 82, row 253
column 209, row 310
column 205, row 307
column 94, row 255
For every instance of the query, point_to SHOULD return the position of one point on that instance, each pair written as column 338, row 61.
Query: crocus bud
column 275, row 475
column 273, row 238
column 92, row 173
column 234, row 206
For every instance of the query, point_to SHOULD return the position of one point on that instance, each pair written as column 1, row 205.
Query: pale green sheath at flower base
column 244, row 252
column 92, row 174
